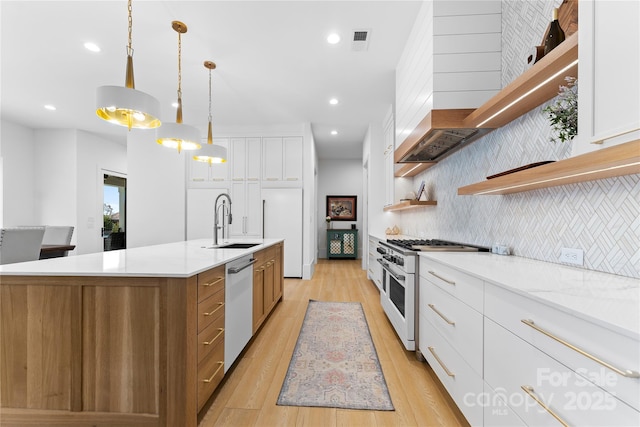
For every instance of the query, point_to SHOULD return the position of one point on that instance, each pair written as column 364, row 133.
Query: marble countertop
column 180, row 259
column 610, row 300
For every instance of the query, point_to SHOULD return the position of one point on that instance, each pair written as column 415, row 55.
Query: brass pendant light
column 126, row 106
column 210, row 152
column 178, row 135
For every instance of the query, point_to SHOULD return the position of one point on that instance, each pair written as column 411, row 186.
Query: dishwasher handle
column 235, row 270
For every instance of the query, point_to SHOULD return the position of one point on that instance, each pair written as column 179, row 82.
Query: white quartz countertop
column 607, row 299
column 180, row 259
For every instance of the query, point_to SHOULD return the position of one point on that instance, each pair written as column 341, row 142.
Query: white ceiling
column 274, row 64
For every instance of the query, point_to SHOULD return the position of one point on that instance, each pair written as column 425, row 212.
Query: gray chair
column 57, row 235
column 20, row 244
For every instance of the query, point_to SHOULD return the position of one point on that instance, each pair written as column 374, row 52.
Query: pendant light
column 178, row 135
column 126, row 106
column 211, row 153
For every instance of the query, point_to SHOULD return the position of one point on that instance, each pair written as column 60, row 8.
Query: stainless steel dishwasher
column 238, row 308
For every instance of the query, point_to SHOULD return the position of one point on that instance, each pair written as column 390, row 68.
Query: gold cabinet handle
column 220, row 304
column 213, row 283
column 529, row 390
column 624, row 372
column 433, row 351
column 442, row 278
column 214, row 338
column 433, row 307
column 221, row 363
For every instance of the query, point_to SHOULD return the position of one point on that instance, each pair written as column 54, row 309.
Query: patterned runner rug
column 334, row 363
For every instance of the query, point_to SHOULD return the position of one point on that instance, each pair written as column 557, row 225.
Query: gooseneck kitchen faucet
column 215, row 217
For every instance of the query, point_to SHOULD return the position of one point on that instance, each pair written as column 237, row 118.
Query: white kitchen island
column 129, row 337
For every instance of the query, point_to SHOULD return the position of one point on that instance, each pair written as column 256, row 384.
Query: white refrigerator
column 282, row 218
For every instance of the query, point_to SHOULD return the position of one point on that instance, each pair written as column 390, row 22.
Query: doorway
column 114, row 215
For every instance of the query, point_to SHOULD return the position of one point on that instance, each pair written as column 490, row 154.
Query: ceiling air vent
column 360, row 41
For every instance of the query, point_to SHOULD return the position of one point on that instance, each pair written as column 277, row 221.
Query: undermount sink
column 234, row 246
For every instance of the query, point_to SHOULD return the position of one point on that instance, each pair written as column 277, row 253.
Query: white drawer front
column 496, row 411
column 510, row 309
column 511, row 364
column 466, row 288
column 456, row 375
column 457, row 322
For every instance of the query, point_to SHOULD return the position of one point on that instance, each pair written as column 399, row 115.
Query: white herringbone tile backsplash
column 600, row 217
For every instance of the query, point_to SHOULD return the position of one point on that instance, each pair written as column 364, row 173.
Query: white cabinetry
column 217, row 173
column 245, row 187
column 282, row 160
column 609, row 87
column 450, row 332
column 374, row 269
column 389, row 147
column 509, row 358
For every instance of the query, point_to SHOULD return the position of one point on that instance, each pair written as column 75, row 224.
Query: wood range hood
column 439, row 134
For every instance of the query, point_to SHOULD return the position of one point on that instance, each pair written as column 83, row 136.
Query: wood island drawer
column 458, row 323
column 210, row 337
column 466, row 288
column 210, row 282
column 571, row 340
column 210, row 373
column 210, row 309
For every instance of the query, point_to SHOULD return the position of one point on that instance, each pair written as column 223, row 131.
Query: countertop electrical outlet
column 572, row 256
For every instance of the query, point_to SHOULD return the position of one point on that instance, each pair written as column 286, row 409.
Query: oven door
column 397, row 299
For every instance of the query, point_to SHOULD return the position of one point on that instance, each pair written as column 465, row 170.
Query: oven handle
column 387, row 268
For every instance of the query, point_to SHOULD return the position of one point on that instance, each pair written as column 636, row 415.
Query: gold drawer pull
column 214, row 338
column 624, row 372
column 433, row 351
column 442, row 278
column 529, row 390
column 213, row 283
column 215, row 373
column 433, row 307
column 220, row 304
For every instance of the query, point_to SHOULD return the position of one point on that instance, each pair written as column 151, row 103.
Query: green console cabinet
column 342, row 243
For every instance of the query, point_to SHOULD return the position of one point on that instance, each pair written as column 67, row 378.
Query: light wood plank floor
column 248, row 395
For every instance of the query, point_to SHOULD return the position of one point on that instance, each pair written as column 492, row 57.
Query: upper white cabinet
column 245, row 159
column 205, row 173
column 389, row 136
column 245, row 187
column 609, row 86
column 282, row 160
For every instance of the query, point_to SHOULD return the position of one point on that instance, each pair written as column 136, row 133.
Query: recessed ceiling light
column 333, row 38
column 174, row 104
column 333, row 101
column 334, row 132
column 92, row 47
column 50, row 107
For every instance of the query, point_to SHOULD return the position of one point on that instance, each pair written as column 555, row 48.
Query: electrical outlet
column 572, row 256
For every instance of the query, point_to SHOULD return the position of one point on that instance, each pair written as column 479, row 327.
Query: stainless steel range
column 399, row 293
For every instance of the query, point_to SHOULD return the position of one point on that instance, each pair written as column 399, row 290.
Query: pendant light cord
column 179, row 111
column 209, row 95
column 130, row 29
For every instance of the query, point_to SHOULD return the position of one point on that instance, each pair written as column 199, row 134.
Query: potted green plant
column 563, row 113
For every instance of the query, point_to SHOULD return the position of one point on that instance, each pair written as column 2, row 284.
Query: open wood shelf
column 410, row 204
column 623, row 159
column 411, row 169
column 547, row 73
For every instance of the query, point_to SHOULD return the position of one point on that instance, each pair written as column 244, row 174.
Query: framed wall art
column 342, row 208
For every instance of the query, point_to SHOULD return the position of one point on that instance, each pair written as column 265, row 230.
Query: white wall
column 309, row 212
column 18, row 198
column 338, row 178
column 56, row 171
column 156, row 183
column 95, row 155
column 54, row 177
